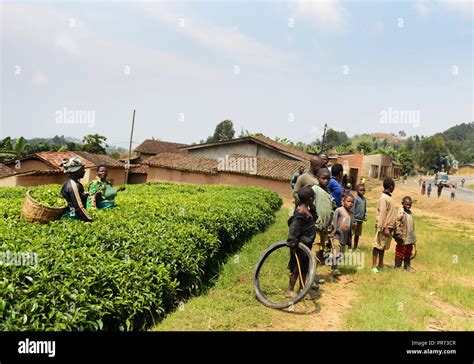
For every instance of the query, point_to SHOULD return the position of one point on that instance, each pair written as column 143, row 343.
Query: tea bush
column 128, row 267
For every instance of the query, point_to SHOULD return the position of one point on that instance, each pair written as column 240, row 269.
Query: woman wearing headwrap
column 101, row 191
column 73, row 191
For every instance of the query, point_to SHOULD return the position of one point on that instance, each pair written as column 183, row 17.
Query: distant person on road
column 404, row 235
column 423, row 188
column 420, row 180
column 309, row 178
column 440, row 189
column 453, row 191
column 428, row 190
column 385, row 217
column 302, row 229
column 405, row 178
column 294, row 178
column 360, row 214
column 462, row 183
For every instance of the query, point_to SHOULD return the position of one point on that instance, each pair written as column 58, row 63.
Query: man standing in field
column 309, row 178
column 385, row 218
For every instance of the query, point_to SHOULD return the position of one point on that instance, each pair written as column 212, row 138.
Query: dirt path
column 326, row 311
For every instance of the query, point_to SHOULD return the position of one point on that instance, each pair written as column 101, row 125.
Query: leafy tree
column 434, row 154
column 93, row 144
column 334, row 138
column 407, row 163
column 402, row 133
column 224, row 131
column 364, row 147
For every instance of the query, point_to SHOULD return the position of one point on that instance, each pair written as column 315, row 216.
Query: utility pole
column 324, row 136
column 127, row 164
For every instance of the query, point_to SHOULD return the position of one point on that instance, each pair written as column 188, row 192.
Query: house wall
column 29, row 165
column 143, row 157
column 115, row 175
column 352, row 164
column 244, row 148
column 465, row 170
column 136, row 178
column 9, row 181
column 157, row 174
column 37, row 180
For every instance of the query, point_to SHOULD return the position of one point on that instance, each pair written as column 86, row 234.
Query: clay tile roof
column 90, row 160
column 280, row 169
column 139, row 168
column 184, row 162
column 150, row 146
column 283, row 147
column 99, row 159
column 5, row 171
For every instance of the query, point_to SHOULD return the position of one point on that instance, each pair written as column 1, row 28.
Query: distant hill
column 460, row 141
column 57, row 140
column 379, row 138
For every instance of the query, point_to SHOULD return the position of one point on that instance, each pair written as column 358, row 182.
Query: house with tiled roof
column 152, row 147
column 234, row 169
column 253, row 146
column 44, row 168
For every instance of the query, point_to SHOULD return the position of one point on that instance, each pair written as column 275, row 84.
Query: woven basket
column 33, row 211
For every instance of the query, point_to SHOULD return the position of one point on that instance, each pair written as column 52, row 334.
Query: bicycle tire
column 304, row 290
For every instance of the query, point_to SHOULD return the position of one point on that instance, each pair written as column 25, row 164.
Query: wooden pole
column 127, row 165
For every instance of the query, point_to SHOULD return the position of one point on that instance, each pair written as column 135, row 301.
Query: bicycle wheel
column 271, row 276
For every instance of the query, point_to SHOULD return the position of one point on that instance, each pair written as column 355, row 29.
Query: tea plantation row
column 128, row 267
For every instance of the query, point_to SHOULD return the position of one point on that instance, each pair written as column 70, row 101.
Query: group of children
column 323, row 207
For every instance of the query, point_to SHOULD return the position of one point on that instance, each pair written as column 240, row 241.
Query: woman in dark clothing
column 73, row 191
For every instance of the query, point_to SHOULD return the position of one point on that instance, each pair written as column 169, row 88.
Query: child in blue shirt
column 334, row 186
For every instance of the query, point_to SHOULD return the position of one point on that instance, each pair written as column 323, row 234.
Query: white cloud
column 422, row 8
column 67, row 44
column 228, row 41
column 464, row 7
column 39, row 78
column 328, row 15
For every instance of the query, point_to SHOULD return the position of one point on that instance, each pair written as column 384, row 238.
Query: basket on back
column 33, row 211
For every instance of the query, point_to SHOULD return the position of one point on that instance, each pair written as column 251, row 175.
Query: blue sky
column 300, row 65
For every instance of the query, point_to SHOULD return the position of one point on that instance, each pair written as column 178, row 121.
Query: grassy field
column 438, row 296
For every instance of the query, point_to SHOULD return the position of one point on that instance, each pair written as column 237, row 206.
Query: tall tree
column 224, row 131
column 334, row 138
column 364, row 147
column 434, row 154
column 94, row 143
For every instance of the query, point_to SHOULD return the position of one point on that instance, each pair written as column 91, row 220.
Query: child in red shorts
column 405, row 235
